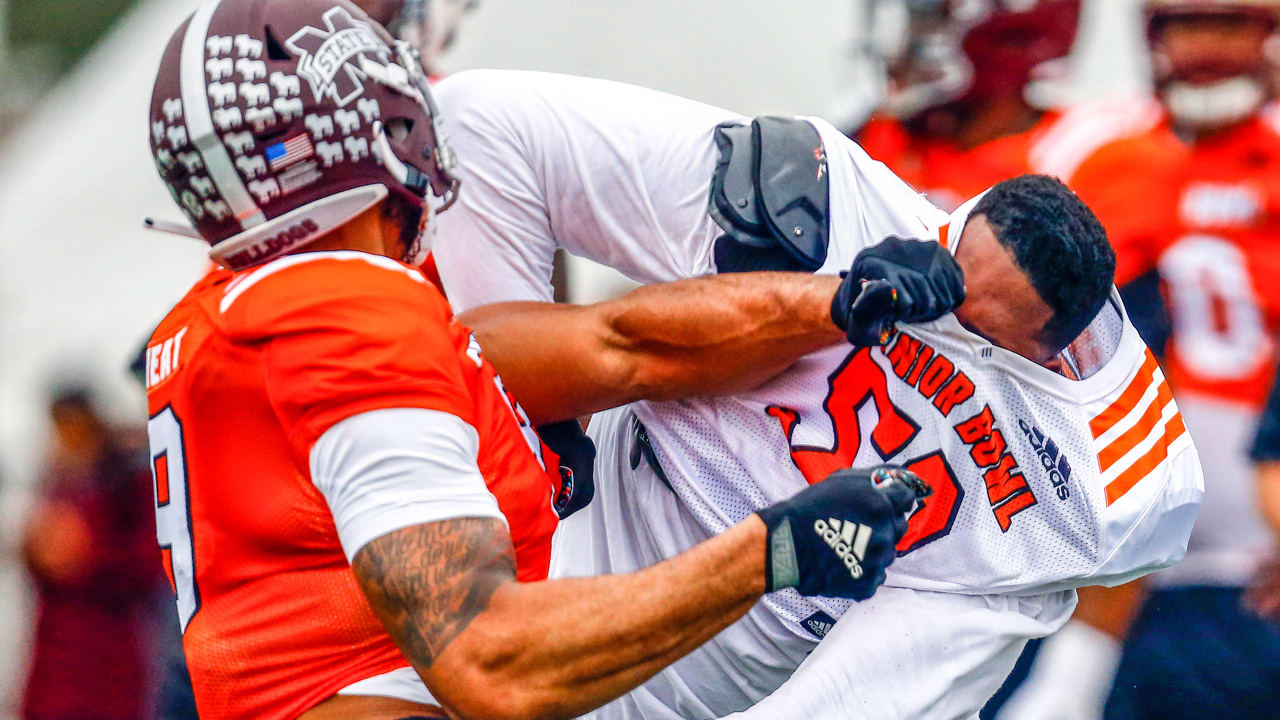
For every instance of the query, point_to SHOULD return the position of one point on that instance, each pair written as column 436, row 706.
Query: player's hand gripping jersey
column 243, row 376
column 1041, row 482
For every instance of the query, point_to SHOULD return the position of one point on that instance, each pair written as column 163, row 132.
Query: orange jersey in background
column 946, row 174
column 243, row 376
column 1206, row 217
column 1055, row 145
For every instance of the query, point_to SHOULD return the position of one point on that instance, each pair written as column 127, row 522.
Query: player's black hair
column 1059, row 243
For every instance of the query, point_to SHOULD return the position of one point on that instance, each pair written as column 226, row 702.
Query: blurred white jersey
column 1041, row 483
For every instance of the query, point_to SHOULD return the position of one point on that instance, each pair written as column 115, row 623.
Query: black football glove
column 837, row 538
column 577, row 464
column 896, row 280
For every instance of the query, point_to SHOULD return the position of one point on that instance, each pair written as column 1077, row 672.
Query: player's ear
column 389, row 221
column 401, row 228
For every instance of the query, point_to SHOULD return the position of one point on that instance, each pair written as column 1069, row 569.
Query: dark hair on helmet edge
column 1059, row 243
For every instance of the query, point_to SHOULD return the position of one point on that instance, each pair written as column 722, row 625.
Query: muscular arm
column 487, row 646
column 706, row 336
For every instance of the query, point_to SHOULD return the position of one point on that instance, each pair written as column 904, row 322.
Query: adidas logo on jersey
column 1051, row 459
column 848, row 539
column 819, row 624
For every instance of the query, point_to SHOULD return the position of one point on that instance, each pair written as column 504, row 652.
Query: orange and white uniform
column 1041, row 483
column 1206, row 218
column 299, row 410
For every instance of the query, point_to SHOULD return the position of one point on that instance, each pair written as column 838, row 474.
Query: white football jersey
column 1040, row 482
column 555, row 161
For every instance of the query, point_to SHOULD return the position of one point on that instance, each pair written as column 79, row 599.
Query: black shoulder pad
column 769, row 194
column 792, row 185
column 733, row 186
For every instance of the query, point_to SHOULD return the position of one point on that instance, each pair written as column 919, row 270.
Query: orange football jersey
column 946, row 174
column 243, row 376
column 1206, row 217
column 1055, row 145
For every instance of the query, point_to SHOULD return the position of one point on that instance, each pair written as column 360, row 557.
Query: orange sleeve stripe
column 1128, row 399
column 1125, row 481
column 942, row 234
column 1140, row 430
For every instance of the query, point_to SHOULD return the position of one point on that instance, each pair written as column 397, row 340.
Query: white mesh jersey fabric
column 556, row 161
column 727, row 457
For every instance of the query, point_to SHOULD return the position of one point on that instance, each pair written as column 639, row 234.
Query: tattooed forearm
column 428, row 582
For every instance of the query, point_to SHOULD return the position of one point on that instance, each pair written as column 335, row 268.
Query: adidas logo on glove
column 848, row 539
column 862, row 539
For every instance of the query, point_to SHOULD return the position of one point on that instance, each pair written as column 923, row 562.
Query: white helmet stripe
column 195, row 103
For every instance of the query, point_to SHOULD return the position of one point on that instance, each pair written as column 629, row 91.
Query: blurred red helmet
column 276, row 121
column 940, row 52
column 1216, row 83
column 429, row 25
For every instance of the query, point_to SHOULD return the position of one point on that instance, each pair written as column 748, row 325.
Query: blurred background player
column 971, row 90
column 89, row 544
column 1191, row 205
column 961, row 75
column 429, row 25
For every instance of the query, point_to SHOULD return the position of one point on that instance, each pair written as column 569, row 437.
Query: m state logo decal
column 325, row 56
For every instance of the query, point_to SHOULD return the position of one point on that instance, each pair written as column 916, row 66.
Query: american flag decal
column 290, row 151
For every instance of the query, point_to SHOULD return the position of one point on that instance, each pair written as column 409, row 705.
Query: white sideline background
column 82, row 284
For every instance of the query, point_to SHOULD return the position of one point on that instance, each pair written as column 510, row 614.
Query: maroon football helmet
column 275, row 121
column 940, row 52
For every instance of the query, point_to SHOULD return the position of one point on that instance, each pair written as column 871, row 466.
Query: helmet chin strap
column 1225, row 102
column 412, row 178
column 417, row 252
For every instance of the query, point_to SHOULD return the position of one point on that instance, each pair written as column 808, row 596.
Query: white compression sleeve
column 385, row 470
